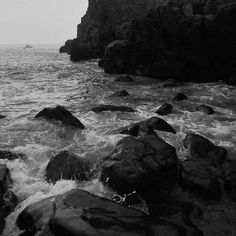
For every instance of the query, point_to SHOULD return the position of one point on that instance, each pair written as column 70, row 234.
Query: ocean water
column 41, row 77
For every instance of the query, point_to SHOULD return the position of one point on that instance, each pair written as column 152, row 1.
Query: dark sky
column 39, row 21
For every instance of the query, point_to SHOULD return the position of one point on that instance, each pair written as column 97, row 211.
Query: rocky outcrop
column 8, row 200
column 67, row 47
column 66, row 165
column 104, row 22
column 184, row 40
column 61, row 114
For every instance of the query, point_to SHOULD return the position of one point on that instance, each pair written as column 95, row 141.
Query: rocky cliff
column 181, row 39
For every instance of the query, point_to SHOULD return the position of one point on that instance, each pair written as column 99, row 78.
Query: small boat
column 27, row 46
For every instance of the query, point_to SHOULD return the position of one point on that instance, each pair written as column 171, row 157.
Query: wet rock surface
column 78, row 212
column 101, row 108
column 147, row 126
column 203, row 149
column 205, row 109
column 164, row 109
column 61, row 114
column 8, row 200
column 139, row 164
column 66, row 165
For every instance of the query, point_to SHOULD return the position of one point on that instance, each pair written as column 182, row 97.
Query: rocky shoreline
column 183, row 40
column 189, row 196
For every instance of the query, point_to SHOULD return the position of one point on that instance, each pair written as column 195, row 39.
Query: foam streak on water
column 40, row 77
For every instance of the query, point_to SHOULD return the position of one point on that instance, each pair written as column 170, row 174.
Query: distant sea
column 33, row 79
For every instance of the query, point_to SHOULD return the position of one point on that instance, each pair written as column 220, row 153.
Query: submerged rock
column 146, row 165
column 164, row 109
column 121, row 93
column 179, row 97
column 66, row 165
column 101, row 108
column 61, row 114
column 124, row 78
column 8, row 200
column 205, row 109
column 78, row 212
column 147, row 126
column 11, row 155
column 203, row 149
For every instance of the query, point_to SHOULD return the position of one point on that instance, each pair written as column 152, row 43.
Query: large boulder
column 203, row 149
column 8, row 200
column 146, row 165
column 147, row 126
column 61, row 114
column 66, row 165
column 101, row 108
column 78, row 212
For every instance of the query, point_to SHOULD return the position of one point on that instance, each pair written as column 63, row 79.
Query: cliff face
column 105, row 21
column 181, row 39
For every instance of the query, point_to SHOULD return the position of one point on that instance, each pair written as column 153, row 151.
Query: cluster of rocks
column 185, row 40
column 141, row 166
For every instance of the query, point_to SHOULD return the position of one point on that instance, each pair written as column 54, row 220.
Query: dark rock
column 67, row 47
column 201, row 148
column 101, row 108
column 124, row 78
column 11, row 155
column 164, row 109
column 2, row 117
column 61, row 114
column 231, row 80
column 104, row 22
column 230, row 179
column 78, row 212
column 197, row 178
column 139, row 164
column 8, row 200
column 179, row 97
column 67, row 166
column 101, row 62
column 147, row 126
column 120, row 57
column 205, row 109
column 121, row 93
